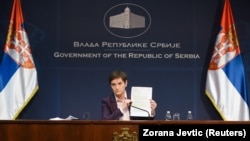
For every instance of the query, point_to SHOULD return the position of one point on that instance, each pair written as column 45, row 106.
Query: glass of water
column 86, row 116
column 176, row 116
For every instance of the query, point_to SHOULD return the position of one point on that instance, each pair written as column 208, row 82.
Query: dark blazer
column 110, row 110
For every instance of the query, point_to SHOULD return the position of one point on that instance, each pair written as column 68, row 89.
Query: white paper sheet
column 70, row 117
column 140, row 97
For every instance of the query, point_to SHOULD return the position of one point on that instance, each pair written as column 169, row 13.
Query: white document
column 70, row 117
column 140, row 97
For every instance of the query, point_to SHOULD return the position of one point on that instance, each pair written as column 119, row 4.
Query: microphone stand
column 142, row 110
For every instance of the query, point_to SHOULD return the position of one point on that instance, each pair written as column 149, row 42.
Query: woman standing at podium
column 117, row 105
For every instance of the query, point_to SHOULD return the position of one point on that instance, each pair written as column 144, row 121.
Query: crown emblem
column 19, row 49
column 226, row 48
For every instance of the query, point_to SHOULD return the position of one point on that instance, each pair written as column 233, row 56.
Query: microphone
column 149, row 117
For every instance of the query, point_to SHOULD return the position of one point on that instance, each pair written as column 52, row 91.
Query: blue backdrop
column 75, row 49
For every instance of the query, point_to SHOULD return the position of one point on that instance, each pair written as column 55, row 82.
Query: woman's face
column 118, row 87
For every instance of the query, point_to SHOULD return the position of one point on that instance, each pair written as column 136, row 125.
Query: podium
column 84, row 130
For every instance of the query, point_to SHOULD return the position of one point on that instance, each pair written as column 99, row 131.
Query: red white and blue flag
column 18, row 75
column 225, row 84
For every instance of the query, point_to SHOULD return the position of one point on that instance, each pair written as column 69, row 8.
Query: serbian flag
column 225, row 83
column 18, row 75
